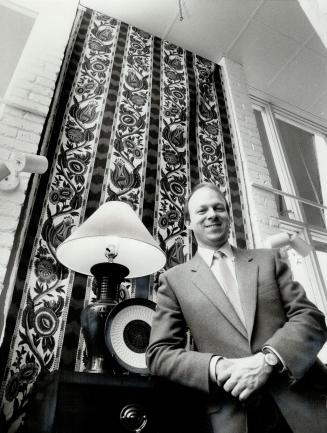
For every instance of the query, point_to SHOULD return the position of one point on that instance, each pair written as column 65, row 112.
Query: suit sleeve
column 166, row 355
column 304, row 332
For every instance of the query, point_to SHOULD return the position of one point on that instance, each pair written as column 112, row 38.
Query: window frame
column 269, row 114
column 298, row 224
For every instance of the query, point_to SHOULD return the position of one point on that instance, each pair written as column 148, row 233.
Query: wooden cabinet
column 69, row 402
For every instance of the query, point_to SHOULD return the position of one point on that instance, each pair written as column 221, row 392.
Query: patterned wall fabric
column 140, row 120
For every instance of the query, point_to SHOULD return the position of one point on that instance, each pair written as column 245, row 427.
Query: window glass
column 280, row 202
column 301, row 150
column 300, row 273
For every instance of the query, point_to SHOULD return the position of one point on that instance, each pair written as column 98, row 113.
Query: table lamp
column 112, row 244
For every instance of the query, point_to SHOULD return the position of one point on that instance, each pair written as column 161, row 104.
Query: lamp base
column 109, row 276
column 93, row 319
column 96, row 365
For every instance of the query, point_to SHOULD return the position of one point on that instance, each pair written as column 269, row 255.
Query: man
column 256, row 335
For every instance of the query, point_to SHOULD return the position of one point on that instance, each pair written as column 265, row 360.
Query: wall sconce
column 113, row 232
column 20, row 162
column 280, row 240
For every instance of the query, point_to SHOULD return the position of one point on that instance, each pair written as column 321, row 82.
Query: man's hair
column 201, row 185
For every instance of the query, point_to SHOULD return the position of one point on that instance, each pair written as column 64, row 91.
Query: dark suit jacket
column 277, row 313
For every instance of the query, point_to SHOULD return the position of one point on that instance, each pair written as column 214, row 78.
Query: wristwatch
column 271, row 359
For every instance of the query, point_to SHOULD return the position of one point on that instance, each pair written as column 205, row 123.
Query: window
column 303, row 155
column 295, row 159
column 296, row 153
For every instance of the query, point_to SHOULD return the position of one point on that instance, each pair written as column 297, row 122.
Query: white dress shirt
column 207, row 256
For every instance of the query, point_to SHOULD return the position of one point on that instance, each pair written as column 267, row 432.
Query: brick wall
column 23, row 114
column 260, row 206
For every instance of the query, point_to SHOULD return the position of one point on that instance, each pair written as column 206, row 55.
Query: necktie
column 228, row 282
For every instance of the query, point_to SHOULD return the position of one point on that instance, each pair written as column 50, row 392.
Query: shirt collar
column 207, row 253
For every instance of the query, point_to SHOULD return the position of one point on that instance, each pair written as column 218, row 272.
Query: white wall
column 260, row 206
column 316, row 11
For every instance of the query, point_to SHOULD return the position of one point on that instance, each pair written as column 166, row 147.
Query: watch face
column 271, row 359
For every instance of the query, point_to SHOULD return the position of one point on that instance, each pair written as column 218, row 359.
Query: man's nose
column 211, row 213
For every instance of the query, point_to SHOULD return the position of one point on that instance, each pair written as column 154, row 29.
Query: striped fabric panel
column 173, row 182
column 192, row 129
column 233, row 181
column 151, row 168
column 128, row 144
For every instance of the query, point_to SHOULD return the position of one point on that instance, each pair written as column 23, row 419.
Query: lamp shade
column 116, row 223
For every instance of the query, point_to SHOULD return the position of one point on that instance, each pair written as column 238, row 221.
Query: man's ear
column 188, row 224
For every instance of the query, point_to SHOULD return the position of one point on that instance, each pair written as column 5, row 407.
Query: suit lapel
column 204, row 279
column 247, row 280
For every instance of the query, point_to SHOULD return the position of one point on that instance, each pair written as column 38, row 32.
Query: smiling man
column 256, row 334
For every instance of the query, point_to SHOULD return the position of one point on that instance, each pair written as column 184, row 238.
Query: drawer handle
column 133, row 418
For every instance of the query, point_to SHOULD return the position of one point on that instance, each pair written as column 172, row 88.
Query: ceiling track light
column 288, row 240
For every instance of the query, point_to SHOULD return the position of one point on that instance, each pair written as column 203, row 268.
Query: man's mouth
column 213, row 225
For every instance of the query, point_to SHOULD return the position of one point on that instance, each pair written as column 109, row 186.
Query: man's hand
column 242, row 376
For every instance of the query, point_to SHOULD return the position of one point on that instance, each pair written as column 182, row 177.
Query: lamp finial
column 111, row 253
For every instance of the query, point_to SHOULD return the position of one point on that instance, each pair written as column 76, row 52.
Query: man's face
column 209, row 218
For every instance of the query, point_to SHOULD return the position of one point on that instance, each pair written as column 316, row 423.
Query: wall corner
column 261, row 216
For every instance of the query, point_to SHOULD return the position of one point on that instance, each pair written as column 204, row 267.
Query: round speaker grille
column 127, row 333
